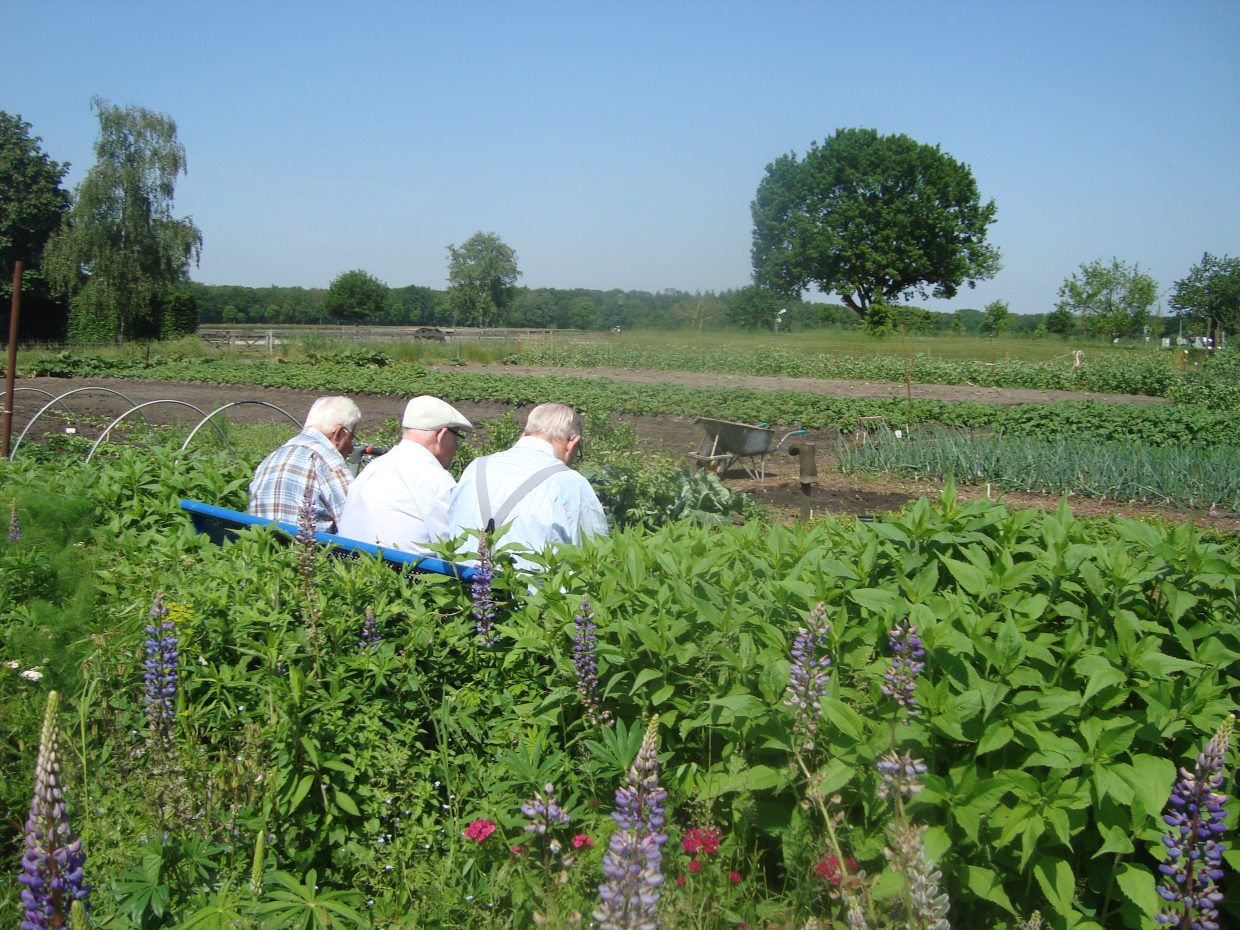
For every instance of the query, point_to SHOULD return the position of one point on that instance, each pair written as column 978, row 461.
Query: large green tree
column 355, row 296
column 120, row 253
column 871, row 218
column 32, row 205
column 482, row 277
column 1111, row 299
column 1209, row 295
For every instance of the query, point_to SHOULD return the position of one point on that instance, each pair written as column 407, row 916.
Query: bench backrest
column 220, row 524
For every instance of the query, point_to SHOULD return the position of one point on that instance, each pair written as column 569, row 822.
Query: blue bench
column 220, row 524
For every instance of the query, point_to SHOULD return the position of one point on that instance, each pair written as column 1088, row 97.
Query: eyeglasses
column 454, row 432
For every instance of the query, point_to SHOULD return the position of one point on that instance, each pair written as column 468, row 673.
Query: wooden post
column 10, row 370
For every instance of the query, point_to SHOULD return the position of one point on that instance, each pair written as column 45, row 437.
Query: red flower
column 680, row 880
column 518, row 850
column 479, row 830
column 582, row 840
column 695, row 866
column 702, row 839
column 829, row 868
column 734, row 877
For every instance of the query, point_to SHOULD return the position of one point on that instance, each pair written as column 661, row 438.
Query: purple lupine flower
column 543, row 811
column 807, row 683
column 307, row 552
column 632, row 865
column 52, row 861
column 900, row 681
column 1195, row 814
column 584, row 658
column 162, row 661
column 927, row 903
column 856, row 914
column 901, row 775
column 483, row 599
column 15, row 527
column 370, row 634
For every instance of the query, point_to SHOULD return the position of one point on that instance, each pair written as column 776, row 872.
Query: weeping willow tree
column 120, row 254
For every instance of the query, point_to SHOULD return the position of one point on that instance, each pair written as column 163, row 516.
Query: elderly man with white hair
column 314, row 457
column 400, row 500
column 530, row 487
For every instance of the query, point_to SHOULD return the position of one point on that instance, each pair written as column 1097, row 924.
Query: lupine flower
column 162, row 660
column 584, row 644
column 900, row 773
column 307, row 552
column 478, row 830
column 900, row 681
column 1033, row 923
column 1195, row 814
column 52, row 861
column 15, row 527
column 480, row 593
column 856, row 916
column 703, row 840
column 807, row 683
column 632, row 866
column 370, row 634
column 543, row 811
column 927, row 904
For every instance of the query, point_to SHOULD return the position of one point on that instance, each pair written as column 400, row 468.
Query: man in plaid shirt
column 314, row 457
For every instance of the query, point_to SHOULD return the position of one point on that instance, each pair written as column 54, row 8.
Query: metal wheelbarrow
column 728, row 443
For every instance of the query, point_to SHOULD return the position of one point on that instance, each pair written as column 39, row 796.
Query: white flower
column 32, row 674
column 13, row 664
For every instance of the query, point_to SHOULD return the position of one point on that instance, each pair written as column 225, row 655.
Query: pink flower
column 829, row 868
column 734, row 877
column 680, row 880
column 479, row 830
column 695, row 866
column 702, row 839
column 582, row 840
column 518, row 850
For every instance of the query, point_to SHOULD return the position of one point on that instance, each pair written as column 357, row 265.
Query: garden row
column 1147, row 372
column 345, row 749
column 1152, row 424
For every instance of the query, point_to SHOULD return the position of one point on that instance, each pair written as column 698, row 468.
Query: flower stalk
column 52, row 877
column 632, row 866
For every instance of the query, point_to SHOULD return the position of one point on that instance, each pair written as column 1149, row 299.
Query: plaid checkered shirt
column 279, row 485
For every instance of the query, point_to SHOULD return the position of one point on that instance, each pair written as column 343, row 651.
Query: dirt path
column 860, row 389
column 833, row 492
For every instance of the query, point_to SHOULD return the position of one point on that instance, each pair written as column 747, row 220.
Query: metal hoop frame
column 57, row 400
column 235, row 403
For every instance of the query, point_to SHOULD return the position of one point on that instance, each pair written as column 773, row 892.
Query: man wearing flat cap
column 400, row 500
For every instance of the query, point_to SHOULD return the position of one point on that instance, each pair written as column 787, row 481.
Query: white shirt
column 399, row 501
column 563, row 509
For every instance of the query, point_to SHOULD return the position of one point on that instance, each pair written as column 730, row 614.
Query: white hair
column 328, row 413
column 553, row 421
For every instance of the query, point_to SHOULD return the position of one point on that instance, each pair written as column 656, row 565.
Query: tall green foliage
column 481, row 278
column 355, row 296
column 1112, row 300
column 1208, row 297
column 32, row 204
column 121, row 251
column 872, row 218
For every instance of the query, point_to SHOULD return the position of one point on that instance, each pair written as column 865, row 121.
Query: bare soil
column 107, row 398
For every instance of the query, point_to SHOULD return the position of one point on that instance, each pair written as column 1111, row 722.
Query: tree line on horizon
column 877, row 220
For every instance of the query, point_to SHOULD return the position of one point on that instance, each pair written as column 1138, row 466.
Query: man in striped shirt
column 315, row 457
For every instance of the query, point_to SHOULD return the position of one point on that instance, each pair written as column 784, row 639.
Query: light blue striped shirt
column 563, row 509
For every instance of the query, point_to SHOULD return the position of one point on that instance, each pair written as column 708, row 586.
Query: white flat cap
column 428, row 412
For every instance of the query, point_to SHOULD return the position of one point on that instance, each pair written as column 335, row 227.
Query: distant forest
column 554, row 308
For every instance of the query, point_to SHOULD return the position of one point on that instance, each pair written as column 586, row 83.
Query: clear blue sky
column 620, row 144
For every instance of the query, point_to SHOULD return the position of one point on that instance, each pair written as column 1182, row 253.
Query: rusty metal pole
column 10, row 369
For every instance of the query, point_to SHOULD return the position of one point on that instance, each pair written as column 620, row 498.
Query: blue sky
column 620, row 144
